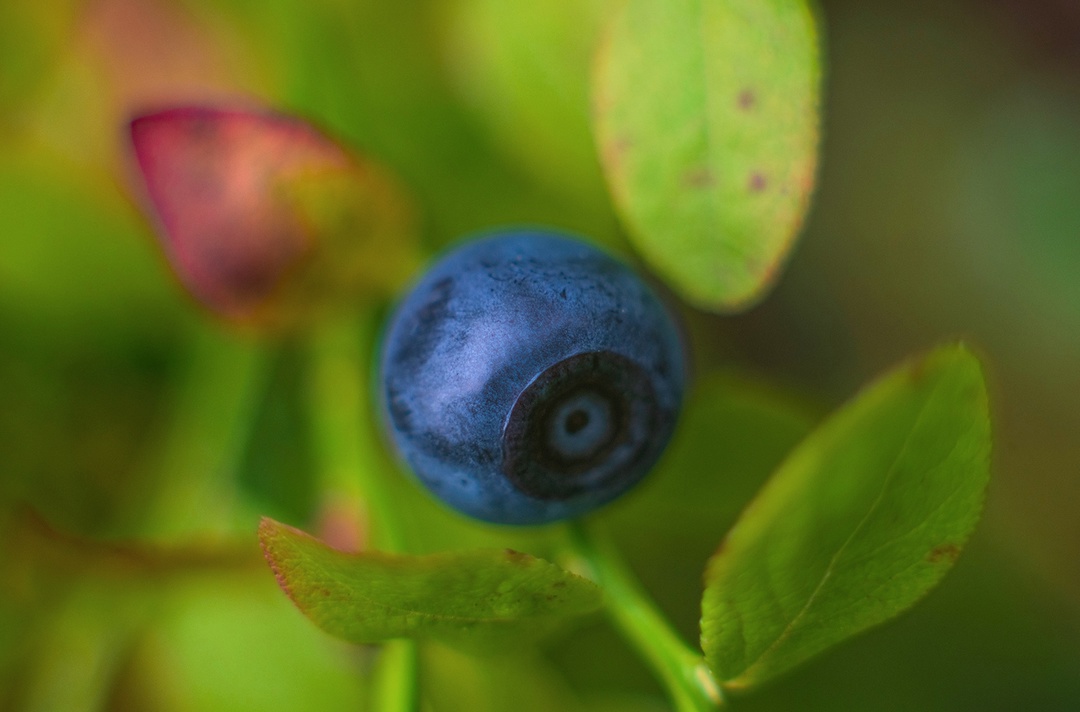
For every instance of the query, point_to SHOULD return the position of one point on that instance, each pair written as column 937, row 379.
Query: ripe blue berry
column 530, row 377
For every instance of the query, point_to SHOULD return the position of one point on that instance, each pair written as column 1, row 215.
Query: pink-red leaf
column 249, row 202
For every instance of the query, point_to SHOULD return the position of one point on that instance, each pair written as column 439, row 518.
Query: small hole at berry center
column 576, row 421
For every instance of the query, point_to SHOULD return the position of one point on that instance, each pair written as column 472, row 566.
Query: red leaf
column 215, row 177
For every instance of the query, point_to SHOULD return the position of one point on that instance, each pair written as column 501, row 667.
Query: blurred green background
column 948, row 205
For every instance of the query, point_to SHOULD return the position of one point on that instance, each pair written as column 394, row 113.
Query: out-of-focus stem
column 345, row 435
column 352, row 474
column 393, row 682
column 217, row 401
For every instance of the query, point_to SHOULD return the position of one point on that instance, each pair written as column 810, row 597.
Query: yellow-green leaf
column 706, row 115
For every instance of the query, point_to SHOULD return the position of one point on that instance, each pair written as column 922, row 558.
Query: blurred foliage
column 946, row 206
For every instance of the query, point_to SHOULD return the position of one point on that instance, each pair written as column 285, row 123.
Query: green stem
column 394, row 687
column 349, row 452
column 681, row 668
column 346, row 438
column 216, row 404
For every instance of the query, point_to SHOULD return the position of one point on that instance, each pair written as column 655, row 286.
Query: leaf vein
column 791, row 626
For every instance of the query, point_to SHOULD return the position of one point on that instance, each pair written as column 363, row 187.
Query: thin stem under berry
column 345, row 437
column 681, row 668
column 352, row 473
column 394, row 687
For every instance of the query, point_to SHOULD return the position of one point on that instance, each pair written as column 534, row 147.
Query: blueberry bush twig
column 530, row 378
column 882, row 496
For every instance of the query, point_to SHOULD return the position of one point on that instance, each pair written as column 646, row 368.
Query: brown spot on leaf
column 920, row 370
column 757, row 182
column 699, row 178
column 721, row 547
column 946, row 552
column 747, row 99
column 615, row 151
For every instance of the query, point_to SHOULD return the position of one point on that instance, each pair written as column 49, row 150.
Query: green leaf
column 706, row 115
column 860, row 521
column 473, row 599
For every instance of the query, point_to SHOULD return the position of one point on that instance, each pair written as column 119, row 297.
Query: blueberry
column 530, row 377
